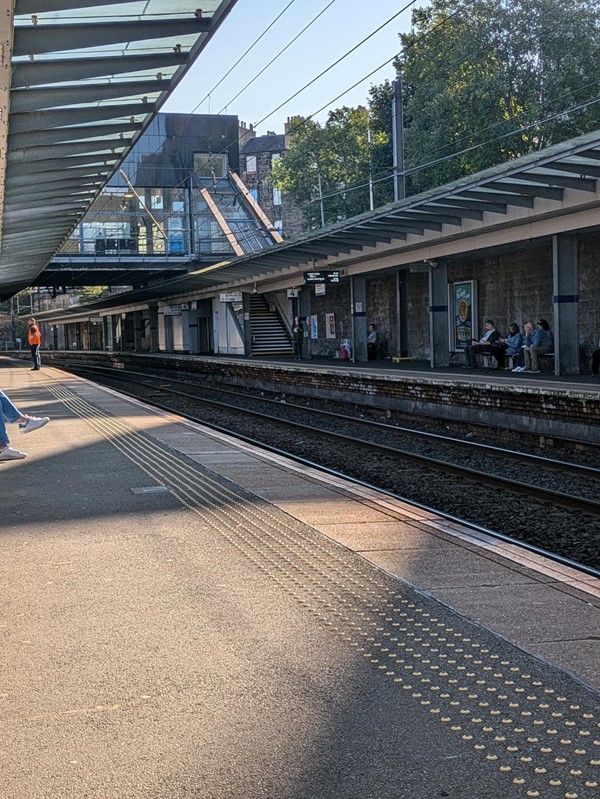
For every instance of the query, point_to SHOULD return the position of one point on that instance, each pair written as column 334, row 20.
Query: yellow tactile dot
column 572, row 795
column 540, row 770
column 456, row 727
column 533, row 740
column 512, row 748
column 594, row 762
column 526, row 759
column 499, row 738
column 581, row 752
column 588, row 715
column 467, row 737
column 546, row 749
column 575, row 772
column 479, row 747
column 566, row 741
column 585, row 733
column 552, row 732
column 505, row 768
column 554, row 782
column 591, row 784
column 491, row 757
column 557, row 715
column 488, row 729
column 519, row 781
column 445, row 718
column 560, row 760
column 533, row 793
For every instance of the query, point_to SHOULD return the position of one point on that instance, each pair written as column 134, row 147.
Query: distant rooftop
column 264, row 144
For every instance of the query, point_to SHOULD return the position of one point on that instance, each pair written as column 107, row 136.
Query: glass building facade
column 173, row 198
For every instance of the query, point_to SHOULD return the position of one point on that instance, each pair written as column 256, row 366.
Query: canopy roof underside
column 86, row 78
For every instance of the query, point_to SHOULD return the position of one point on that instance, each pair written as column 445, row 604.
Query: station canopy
column 86, row 78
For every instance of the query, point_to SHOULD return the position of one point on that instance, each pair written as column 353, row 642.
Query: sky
column 340, row 28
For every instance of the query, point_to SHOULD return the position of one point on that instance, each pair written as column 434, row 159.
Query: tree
column 327, row 168
column 490, row 80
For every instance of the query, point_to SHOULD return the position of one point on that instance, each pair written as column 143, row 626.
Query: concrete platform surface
column 187, row 616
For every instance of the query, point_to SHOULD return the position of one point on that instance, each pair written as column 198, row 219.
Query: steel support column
column 358, row 290
column 565, row 271
column 438, row 315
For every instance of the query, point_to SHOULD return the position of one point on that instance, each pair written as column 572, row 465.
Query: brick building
column 257, row 157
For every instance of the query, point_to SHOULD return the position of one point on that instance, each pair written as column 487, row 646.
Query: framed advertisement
column 314, row 327
column 330, row 325
column 463, row 315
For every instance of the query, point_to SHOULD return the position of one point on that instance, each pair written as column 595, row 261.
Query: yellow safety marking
column 220, row 506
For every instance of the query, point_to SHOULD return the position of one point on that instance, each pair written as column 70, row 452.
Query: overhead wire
column 241, row 58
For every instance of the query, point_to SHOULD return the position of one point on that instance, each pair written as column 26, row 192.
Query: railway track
column 548, row 504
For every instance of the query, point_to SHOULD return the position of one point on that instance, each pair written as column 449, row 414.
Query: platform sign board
column 171, row 310
column 320, row 289
column 234, row 296
column 293, row 294
column 463, row 314
column 314, row 278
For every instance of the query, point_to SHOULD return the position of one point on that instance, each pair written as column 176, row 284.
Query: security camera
column 432, row 264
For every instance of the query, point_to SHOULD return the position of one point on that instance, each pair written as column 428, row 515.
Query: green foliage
column 327, row 167
column 476, row 72
column 91, row 293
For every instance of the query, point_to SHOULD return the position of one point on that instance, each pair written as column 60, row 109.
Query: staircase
column 269, row 334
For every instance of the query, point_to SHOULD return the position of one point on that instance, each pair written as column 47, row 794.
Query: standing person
column 372, row 343
column 27, row 424
column 542, row 342
column 484, row 345
column 34, row 339
column 297, row 338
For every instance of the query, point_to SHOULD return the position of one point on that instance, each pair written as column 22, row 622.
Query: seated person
column 511, row 345
column 519, row 357
column 542, row 341
column 483, row 346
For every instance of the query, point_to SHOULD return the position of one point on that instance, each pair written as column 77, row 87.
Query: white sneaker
column 518, row 368
column 32, row 423
column 10, row 454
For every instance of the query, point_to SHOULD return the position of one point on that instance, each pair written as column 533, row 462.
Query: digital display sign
column 315, row 278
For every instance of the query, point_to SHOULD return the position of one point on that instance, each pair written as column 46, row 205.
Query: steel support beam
column 32, row 41
column 36, row 73
column 69, row 118
column 26, row 101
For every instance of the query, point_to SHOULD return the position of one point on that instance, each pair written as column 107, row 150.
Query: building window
column 250, row 164
column 274, row 158
column 276, row 196
column 208, row 164
column 254, row 194
column 278, row 225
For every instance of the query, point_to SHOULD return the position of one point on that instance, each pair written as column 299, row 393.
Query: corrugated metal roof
column 86, row 78
column 566, row 175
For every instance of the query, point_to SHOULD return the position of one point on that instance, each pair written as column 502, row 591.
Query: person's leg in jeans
column 9, row 411
column 35, row 356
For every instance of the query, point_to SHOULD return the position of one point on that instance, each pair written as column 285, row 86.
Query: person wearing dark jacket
column 483, row 346
column 297, row 338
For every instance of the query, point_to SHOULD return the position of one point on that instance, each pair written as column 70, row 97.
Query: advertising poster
column 464, row 313
column 330, row 325
column 314, row 327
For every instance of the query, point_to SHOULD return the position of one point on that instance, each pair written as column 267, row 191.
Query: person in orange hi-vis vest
column 34, row 339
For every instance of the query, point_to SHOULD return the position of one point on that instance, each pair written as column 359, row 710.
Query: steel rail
column 555, row 557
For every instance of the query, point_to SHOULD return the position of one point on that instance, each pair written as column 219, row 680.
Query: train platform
column 184, row 615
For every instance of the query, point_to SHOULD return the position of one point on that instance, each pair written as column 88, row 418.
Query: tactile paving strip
column 503, row 704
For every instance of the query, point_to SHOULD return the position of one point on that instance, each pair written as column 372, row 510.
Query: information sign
column 322, row 277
